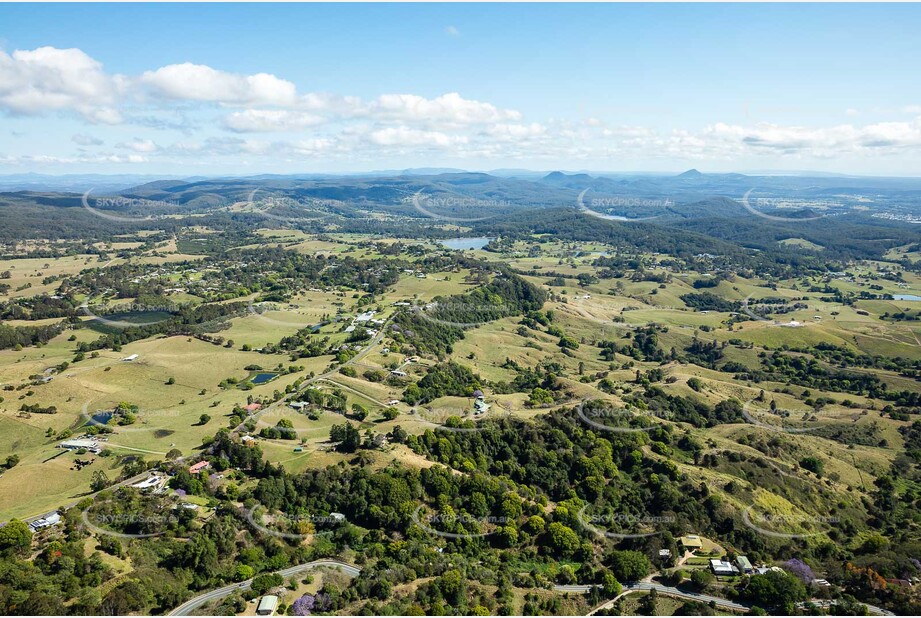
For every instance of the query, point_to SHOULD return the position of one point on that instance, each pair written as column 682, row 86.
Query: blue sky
column 206, row 89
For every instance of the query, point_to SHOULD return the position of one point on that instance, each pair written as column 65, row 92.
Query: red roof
column 196, row 468
column 253, row 407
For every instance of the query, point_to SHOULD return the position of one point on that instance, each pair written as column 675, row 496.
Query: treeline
column 23, row 336
column 434, row 330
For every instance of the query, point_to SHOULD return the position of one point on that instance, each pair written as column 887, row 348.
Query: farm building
column 721, row 567
column 744, row 565
column 77, row 444
column 267, row 605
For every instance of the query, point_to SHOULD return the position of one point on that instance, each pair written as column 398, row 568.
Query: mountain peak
column 691, row 173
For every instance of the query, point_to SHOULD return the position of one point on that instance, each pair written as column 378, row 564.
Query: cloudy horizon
column 322, row 89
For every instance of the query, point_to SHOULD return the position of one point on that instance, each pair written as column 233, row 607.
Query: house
column 744, row 565
column 338, row 517
column 393, row 402
column 691, row 542
column 299, row 405
column 822, row 582
column 253, row 407
column 364, row 317
column 398, row 373
column 51, row 519
column 721, row 567
column 267, row 605
column 196, row 468
column 480, row 406
column 150, row 481
column 665, row 553
column 76, row 445
column 899, row 583
column 128, row 359
column 248, row 441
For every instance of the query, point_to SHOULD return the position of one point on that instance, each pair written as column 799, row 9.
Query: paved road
column 879, row 611
column 323, row 376
column 190, row 606
column 703, row 598
column 675, row 592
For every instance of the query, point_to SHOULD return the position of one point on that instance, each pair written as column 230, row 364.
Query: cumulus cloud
column 82, row 139
column 46, row 79
column 449, row 108
column 269, row 120
column 199, row 82
column 139, row 145
column 405, row 136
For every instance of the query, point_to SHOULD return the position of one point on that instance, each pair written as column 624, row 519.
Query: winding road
column 190, row 606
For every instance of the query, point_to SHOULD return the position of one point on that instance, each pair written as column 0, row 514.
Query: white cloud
column 83, row 139
column 405, row 136
column 46, row 79
column 452, row 31
column 449, row 108
column 139, row 145
column 198, row 82
column 268, row 120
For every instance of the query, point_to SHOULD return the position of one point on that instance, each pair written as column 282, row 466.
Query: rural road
column 323, row 376
column 674, row 592
column 694, row 596
column 189, row 606
column 353, row 571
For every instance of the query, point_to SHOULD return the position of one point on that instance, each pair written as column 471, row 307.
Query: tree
column 15, row 537
column 171, row 381
column 304, row 605
column 99, row 481
column 359, row 411
column 263, row 583
column 563, row 539
column 609, row 585
column 203, row 419
column 12, row 460
column 775, row 590
column 701, row 578
column 347, row 437
column 390, row 413
column 629, row 566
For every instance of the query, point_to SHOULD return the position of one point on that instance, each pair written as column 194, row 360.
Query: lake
column 262, row 378
column 910, row 297
column 460, row 244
